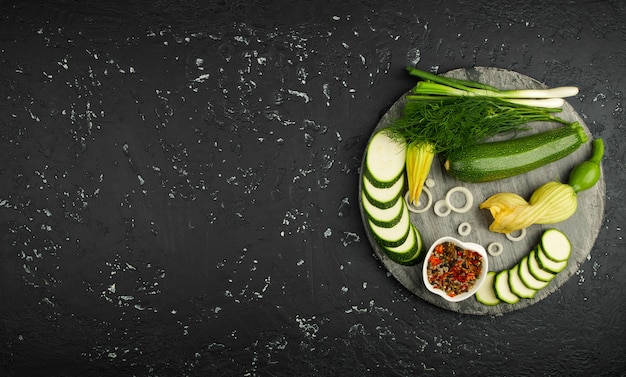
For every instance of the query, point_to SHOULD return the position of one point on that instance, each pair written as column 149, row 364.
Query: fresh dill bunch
column 457, row 122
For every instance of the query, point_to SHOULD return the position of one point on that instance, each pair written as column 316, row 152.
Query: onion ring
column 495, row 248
column 518, row 238
column 437, row 208
column 415, row 209
column 465, row 228
column 469, row 199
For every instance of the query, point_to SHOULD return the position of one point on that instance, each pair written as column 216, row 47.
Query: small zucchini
column 491, row 161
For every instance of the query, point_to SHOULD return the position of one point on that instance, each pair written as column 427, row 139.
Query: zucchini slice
column 527, row 278
column 517, row 285
column 410, row 251
column 536, row 270
column 385, row 217
column 486, row 294
column 502, row 288
column 393, row 236
column 555, row 244
column 548, row 264
column 385, row 159
column 383, row 197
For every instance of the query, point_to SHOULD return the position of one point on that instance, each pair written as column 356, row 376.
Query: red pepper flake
column 453, row 269
column 435, row 261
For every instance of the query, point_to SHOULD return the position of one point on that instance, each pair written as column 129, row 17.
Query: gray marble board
column 582, row 228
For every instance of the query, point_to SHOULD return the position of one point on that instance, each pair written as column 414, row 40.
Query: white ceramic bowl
column 468, row 246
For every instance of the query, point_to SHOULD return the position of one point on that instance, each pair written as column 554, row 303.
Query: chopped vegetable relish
column 453, row 269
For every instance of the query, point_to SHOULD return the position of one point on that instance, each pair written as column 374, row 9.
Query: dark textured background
column 179, row 188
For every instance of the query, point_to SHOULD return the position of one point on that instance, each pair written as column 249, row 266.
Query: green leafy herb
column 462, row 121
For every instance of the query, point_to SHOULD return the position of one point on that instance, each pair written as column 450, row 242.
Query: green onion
column 435, row 85
column 429, row 87
column 455, row 83
column 538, row 102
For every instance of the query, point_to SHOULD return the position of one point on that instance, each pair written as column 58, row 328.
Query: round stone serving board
column 582, row 228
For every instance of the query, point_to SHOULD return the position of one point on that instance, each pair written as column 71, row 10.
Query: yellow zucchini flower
column 551, row 203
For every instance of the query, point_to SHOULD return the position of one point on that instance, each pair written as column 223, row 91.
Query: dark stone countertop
column 179, row 188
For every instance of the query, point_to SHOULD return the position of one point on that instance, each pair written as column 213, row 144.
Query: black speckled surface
column 179, row 188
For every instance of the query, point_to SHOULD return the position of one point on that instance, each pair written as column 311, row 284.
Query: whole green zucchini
column 491, row 161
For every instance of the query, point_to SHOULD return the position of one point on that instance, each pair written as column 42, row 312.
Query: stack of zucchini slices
column 531, row 274
column 382, row 198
